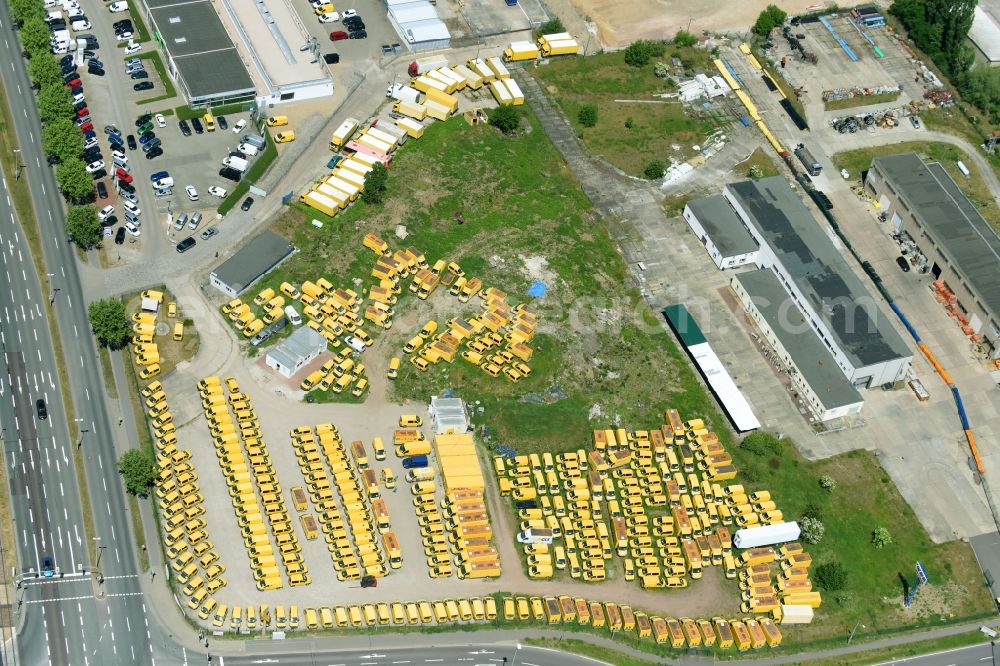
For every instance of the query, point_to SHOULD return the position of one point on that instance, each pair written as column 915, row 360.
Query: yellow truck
column 520, row 51
column 299, row 499
column 343, row 133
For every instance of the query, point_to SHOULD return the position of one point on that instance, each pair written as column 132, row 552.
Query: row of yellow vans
column 145, row 352
column 353, row 544
column 247, row 466
column 337, row 374
column 445, row 611
column 191, row 555
column 762, row 593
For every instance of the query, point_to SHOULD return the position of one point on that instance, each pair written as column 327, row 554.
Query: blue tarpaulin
column 537, row 289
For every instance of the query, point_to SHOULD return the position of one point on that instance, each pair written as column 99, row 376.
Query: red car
column 123, row 175
column 83, row 112
column 338, row 35
column 74, row 83
column 87, row 127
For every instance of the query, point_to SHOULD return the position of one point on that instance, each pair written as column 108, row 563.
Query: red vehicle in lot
column 74, row 83
column 123, row 175
column 338, row 35
column 83, row 112
column 87, row 127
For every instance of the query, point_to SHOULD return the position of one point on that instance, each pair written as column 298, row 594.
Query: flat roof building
column 272, row 36
column 200, row 56
column 837, row 305
column 720, row 229
column 295, row 351
column 255, row 260
column 956, row 244
column 812, row 368
column 418, row 24
column 449, row 415
column 985, row 31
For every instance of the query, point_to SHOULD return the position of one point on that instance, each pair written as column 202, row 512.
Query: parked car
column 94, row 166
column 145, row 85
column 105, row 212
column 146, row 137
column 217, row 191
column 240, row 124
column 154, row 152
column 160, row 120
column 223, row 123
column 903, row 264
column 184, row 127
column 109, row 221
column 186, row 244
column 915, row 122
column 116, row 7
column 230, row 173
column 120, row 236
column 130, row 139
column 208, row 233
column 123, row 176
column 132, row 47
column 198, row 127
column 192, row 193
column 102, row 190
column 141, row 74
column 247, row 203
column 96, row 71
column 359, row 34
column 132, row 229
column 338, row 35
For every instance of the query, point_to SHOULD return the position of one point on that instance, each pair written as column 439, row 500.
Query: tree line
column 62, row 140
column 939, row 29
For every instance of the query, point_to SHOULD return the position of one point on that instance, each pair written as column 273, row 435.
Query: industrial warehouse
column 955, row 243
column 819, row 287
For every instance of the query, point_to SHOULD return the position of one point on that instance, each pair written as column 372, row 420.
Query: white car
column 91, row 143
column 331, row 17
column 191, row 192
column 120, row 154
column 163, row 183
column 82, row 24
column 238, row 127
column 132, row 208
column 94, row 166
column 217, row 191
column 125, row 36
column 79, row 97
column 132, row 229
column 160, row 120
column 131, row 48
column 73, row 12
column 115, row 8
column 348, row 13
column 105, row 212
column 845, row 174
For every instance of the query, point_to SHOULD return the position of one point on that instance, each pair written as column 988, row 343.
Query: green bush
column 588, row 115
column 83, row 226
column 831, row 576
column 881, row 537
column 505, row 118
column 762, row 444
column 550, row 27
column 376, row 184
column 638, row 54
column 138, row 470
column 685, row 38
column 654, row 170
column 109, row 322
column 813, row 530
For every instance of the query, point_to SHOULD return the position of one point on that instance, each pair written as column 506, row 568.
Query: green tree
column 505, row 118
column 54, row 102
column 24, row 10
column 109, row 321
column 138, row 469
column 831, row 576
column 44, row 71
column 61, row 138
column 35, row 36
column 74, row 181
column 588, row 115
column 638, row 54
column 768, row 20
column 685, row 38
column 981, row 86
column 83, row 226
column 376, row 184
column 655, row 169
column 881, row 537
column 550, row 27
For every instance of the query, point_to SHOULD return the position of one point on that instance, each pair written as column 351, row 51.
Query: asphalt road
column 467, row 655
column 973, row 655
column 101, row 623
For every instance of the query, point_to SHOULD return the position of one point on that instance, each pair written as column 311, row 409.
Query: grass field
column 758, row 158
column 869, row 100
column 656, row 124
column 900, row 652
column 865, row 498
column 600, row 355
column 975, row 186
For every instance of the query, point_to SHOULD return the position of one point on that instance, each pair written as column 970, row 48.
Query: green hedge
column 140, row 26
column 251, row 176
column 187, row 113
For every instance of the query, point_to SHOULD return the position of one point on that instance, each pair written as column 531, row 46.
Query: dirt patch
column 621, row 23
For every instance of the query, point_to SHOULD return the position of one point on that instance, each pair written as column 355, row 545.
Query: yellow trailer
column 343, row 133
column 411, row 126
column 436, row 110
column 410, row 109
column 473, row 79
column 480, row 67
column 498, row 68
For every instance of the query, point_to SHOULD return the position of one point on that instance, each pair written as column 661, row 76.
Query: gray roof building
column 449, row 415
column 808, row 355
column 723, row 225
column 255, row 260
column 820, row 275
column 200, row 54
column 961, row 233
column 296, row 350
